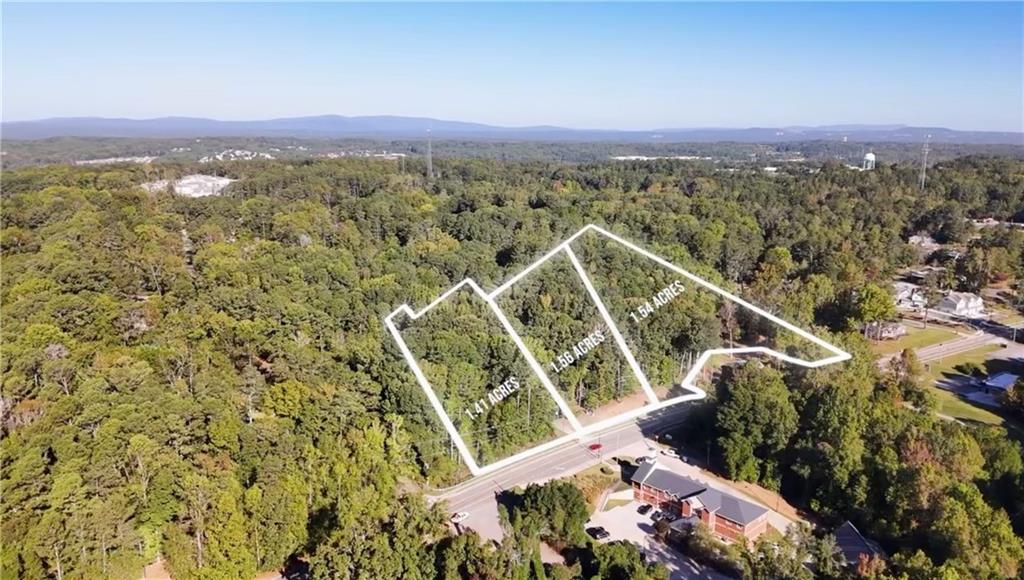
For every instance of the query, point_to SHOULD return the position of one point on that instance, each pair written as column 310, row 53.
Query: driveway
column 482, row 506
column 623, row 523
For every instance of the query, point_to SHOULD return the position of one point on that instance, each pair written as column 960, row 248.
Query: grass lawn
column 916, row 337
column 593, row 481
column 949, row 403
column 1006, row 315
column 954, row 406
column 614, row 503
column 943, row 367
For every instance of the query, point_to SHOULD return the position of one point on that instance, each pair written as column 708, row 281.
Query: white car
column 670, row 453
column 643, row 460
column 459, row 517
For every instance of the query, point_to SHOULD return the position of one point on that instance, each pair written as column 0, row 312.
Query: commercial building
column 727, row 516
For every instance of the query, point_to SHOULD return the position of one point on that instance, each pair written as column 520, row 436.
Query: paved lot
column 477, row 496
column 624, row 523
column 483, row 507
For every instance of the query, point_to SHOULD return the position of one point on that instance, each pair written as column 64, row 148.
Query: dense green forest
column 210, row 379
column 465, row 355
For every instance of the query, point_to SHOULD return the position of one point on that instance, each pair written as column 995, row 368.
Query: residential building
column 854, row 546
column 962, row 304
column 920, row 275
column 727, row 516
column 999, row 383
column 909, row 295
column 925, row 242
column 884, row 330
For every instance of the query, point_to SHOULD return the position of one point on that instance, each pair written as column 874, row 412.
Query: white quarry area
column 192, row 185
column 235, row 155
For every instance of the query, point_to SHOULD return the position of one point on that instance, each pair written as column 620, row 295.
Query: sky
column 614, row 66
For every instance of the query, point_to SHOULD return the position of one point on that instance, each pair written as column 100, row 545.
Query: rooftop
column 852, row 543
column 1001, row 381
column 961, row 296
column 728, row 506
column 675, row 484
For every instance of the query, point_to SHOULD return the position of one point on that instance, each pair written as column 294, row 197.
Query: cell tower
column 430, row 158
column 924, row 163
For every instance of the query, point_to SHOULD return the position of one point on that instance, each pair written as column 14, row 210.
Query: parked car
column 646, row 459
column 670, row 453
column 642, row 510
column 459, row 517
column 595, row 447
column 598, row 533
column 657, row 515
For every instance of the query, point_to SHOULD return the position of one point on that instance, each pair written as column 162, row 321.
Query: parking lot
column 624, row 523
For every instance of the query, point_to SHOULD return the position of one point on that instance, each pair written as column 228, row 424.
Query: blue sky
column 580, row 65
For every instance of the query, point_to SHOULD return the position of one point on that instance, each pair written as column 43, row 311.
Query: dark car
column 642, row 510
column 598, row 533
column 657, row 515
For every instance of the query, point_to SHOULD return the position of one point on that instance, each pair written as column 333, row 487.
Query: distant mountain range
column 391, row 127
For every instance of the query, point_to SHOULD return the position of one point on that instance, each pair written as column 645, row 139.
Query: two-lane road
column 558, row 462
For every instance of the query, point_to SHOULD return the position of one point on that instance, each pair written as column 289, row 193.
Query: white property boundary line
column 580, row 431
column 640, row 375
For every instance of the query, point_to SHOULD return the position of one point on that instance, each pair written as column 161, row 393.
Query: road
column 954, row 347
column 558, row 462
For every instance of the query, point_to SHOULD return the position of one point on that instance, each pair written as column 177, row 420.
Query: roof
column 852, row 543
column 905, row 286
column 730, row 507
column 1001, row 381
column 958, row 297
column 677, row 485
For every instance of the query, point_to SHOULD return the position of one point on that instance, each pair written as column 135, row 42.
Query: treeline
column 851, row 442
column 210, row 380
column 22, row 153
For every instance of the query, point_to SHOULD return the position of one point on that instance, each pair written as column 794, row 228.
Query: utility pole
column 529, row 400
column 924, row 163
column 430, row 158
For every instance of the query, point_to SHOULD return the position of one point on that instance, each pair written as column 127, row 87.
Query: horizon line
column 835, row 126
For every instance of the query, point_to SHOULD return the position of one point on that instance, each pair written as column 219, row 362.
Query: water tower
column 869, row 162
